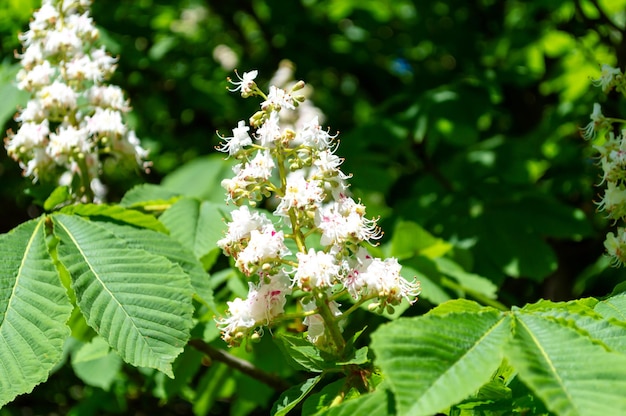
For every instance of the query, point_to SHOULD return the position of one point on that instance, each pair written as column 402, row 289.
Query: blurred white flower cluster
column 288, row 159
column 612, row 157
column 73, row 119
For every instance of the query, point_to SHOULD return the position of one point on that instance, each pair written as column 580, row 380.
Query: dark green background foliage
column 461, row 116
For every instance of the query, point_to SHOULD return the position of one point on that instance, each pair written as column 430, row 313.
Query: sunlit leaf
column 138, row 301
column 571, row 373
column 434, row 361
column 33, row 310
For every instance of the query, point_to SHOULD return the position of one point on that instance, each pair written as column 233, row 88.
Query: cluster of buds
column 288, row 161
column 612, row 158
column 73, row 118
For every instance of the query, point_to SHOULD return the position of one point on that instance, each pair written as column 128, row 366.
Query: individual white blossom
column 245, row 84
column 598, row 122
column 259, row 168
column 300, row 194
column 264, row 302
column 312, row 135
column 29, row 136
column 316, row 269
column 39, row 76
column 264, row 246
column 614, row 200
column 608, row 77
column 270, row 131
column 242, row 223
column 239, row 140
column 108, row 96
column 105, row 122
column 277, row 99
column 343, row 221
column 381, row 278
column 68, row 140
column 327, row 167
column 58, row 97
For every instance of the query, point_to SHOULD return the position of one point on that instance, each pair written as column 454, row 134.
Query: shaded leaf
column 469, row 281
column 301, row 354
column 378, row 403
column 293, row 396
column 96, row 364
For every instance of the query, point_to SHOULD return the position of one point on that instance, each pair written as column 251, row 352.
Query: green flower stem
column 354, row 307
column 85, row 189
column 331, row 322
column 296, row 234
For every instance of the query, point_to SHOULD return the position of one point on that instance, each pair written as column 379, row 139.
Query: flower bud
column 298, row 86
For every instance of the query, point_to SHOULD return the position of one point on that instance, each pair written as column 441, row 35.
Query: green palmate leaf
column 149, row 197
column 117, row 213
column 613, row 307
column 434, row 361
column 33, row 310
column 164, row 245
column 579, row 315
column 138, row 301
column 290, row 398
column 197, row 225
column 571, row 373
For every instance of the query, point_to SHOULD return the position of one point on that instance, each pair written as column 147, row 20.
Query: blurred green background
column 461, row 116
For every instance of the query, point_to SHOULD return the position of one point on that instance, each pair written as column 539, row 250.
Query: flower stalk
column 612, row 159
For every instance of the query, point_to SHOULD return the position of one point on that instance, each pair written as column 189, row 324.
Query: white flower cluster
column 612, row 158
column 72, row 118
column 294, row 164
